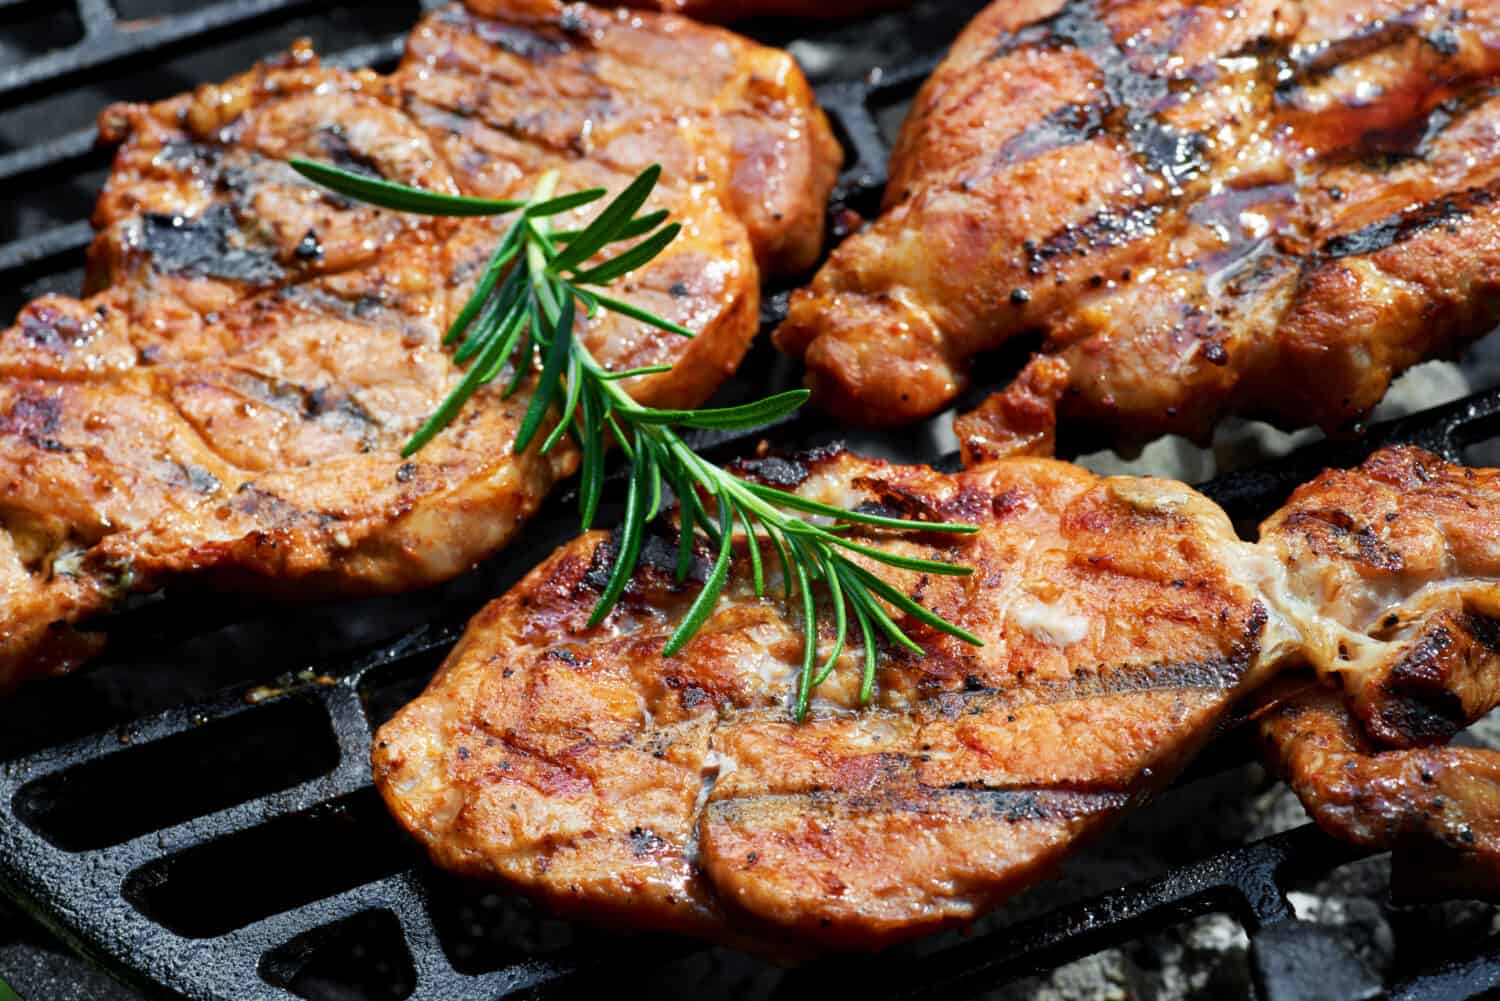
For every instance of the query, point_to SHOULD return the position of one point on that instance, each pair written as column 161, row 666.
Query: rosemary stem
column 524, row 313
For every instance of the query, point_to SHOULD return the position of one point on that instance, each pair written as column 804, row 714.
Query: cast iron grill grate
column 230, row 848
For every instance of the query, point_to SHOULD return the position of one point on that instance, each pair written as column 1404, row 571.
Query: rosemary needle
column 523, row 314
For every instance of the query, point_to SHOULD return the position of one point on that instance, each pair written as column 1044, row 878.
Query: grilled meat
column 583, row 767
column 1399, row 566
column 1436, row 808
column 1122, row 619
column 1399, row 562
column 233, row 395
column 1259, row 207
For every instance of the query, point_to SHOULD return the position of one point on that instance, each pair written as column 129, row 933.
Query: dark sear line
column 1133, row 95
column 1448, row 211
column 1010, row 806
column 1119, row 679
column 204, row 246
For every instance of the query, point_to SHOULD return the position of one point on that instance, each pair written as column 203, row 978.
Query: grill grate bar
column 67, row 153
column 109, row 47
column 79, row 893
column 52, row 250
column 98, row 16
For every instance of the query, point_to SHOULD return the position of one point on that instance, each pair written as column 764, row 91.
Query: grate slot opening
column 156, row 786
column 363, row 958
column 482, row 931
column 1479, row 441
column 386, row 689
column 236, row 880
column 33, row 29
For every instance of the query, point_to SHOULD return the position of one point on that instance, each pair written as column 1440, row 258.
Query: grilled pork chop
column 1122, row 618
column 1406, row 554
column 1253, row 207
column 233, row 395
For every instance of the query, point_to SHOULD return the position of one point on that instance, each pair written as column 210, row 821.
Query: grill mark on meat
column 185, row 474
column 464, row 119
column 774, row 471
column 1485, row 630
column 204, row 247
column 1333, row 533
column 1067, row 126
column 1416, row 704
column 977, row 696
column 519, row 40
column 328, row 405
column 36, row 418
column 54, row 330
column 1206, row 675
column 334, row 141
column 1134, row 96
column 1413, row 139
column 1011, row 805
column 787, row 470
column 275, row 512
column 1313, row 62
column 1448, row 113
column 1417, row 700
column 1106, row 229
column 657, row 560
column 1446, row 211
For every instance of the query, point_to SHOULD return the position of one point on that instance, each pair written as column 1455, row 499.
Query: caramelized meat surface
column 1396, row 568
column 1437, row 809
column 1398, row 563
column 1252, row 207
column 233, row 395
column 734, row 10
column 583, row 767
column 1121, row 618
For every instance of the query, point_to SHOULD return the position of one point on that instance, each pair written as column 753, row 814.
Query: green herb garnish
column 522, row 314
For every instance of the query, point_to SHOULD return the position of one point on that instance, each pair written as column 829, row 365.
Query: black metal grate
column 230, row 847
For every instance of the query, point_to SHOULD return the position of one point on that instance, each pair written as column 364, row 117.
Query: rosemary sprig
column 523, row 313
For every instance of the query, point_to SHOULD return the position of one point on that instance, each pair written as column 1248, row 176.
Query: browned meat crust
column 1403, row 555
column 1402, row 560
column 584, row 768
column 233, row 396
column 1438, row 808
column 1122, row 618
column 1257, row 207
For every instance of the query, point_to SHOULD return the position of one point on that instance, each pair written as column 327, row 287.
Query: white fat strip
column 1051, row 622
